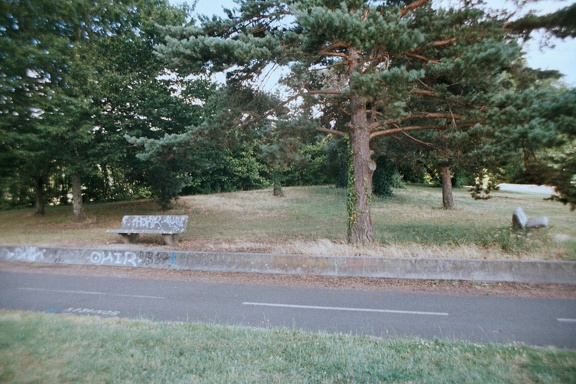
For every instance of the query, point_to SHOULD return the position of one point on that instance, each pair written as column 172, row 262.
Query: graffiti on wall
column 31, row 254
column 166, row 223
column 128, row 258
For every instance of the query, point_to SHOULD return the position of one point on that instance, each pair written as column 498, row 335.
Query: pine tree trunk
column 360, row 195
column 277, row 180
column 77, row 206
column 447, row 196
column 360, row 179
column 39, row 195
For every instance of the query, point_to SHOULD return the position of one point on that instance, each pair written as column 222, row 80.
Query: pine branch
column 255, row 23
column 421, row 141
column 344, row 111
column 338, row 46
column 404, row 129
column 444, row 42
column 412, row 6
column 335, row 54
column 431, row 115
column 378, row 56
column 284, row 103
column 326, row 92
column 561, row 23
column 337, row 64
column 269, row 112
column 374, row 126
column 422, row 58
column 435, row 44
column 423, row 92
column 331, row 131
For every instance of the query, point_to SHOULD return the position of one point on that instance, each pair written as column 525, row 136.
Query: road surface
column 533, row 321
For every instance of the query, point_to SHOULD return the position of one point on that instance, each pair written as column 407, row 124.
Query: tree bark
column 360, row 191
column 39, row 194
column 76, row 180
column 277, row 180
column 360, row 178
column 447, row 196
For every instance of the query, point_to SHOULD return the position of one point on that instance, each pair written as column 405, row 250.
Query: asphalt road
column 385, row 314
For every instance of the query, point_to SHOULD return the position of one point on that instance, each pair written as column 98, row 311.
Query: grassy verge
column 62, row 348
column 312, row 220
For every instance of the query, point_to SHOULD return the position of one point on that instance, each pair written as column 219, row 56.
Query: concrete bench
column 520, row 221
column 167, row 226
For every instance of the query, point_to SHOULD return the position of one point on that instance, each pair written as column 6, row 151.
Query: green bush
column 386, row 177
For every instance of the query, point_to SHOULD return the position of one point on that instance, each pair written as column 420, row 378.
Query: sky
column 561, row 57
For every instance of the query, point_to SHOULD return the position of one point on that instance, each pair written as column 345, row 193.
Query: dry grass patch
column 470, row 251
column 325, row 247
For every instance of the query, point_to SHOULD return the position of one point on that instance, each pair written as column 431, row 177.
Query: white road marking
column 91, row 293
column 90, row 311
column 567, row 320
column 346, row 309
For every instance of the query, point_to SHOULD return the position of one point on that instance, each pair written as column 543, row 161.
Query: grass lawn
column 312, row 220
column 48, row 348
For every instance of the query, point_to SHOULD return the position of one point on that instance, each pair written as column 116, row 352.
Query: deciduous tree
column 74, row 77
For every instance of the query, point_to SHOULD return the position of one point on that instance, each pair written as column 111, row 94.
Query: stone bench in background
column 167, row 226
column 520, row 221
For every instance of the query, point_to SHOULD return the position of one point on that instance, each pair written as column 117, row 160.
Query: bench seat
column 169, row 226
column 143, row 231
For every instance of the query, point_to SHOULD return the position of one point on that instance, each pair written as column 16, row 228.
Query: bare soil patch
column 463, row 288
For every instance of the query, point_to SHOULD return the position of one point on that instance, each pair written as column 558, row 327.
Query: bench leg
column 170, row 239
column 129, row 238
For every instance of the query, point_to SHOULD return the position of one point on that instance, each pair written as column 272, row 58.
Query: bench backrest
column 168, row 224
column 519, row 219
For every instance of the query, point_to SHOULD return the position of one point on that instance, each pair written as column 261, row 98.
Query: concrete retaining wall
column 535, row 272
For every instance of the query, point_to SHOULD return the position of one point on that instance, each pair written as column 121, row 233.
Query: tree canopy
column 74, row 77
column 390, row 67
column 561, row 23
column 109, row 99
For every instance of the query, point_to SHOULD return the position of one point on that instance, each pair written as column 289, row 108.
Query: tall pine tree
column 367, row 59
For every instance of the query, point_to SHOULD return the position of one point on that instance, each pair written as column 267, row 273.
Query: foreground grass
column 312, row 220
column 62, row 348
